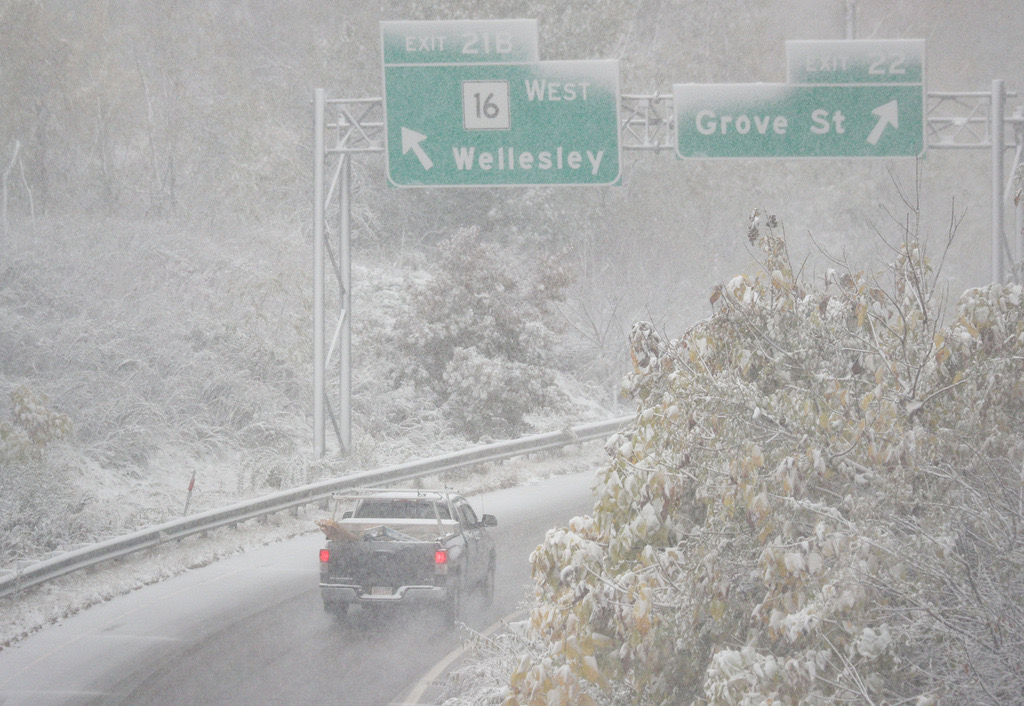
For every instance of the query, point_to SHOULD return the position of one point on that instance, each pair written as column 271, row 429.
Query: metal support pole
column 318, row 274
column 1019, row 222
column 851, row 19
column 345, row 285
column 344, row 127
column 996, row 132
column 1017, row 182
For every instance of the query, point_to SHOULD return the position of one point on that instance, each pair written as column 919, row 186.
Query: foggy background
column 156, row 250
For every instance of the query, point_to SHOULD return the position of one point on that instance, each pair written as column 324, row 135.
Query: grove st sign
column 844, row 98
column 785, row 120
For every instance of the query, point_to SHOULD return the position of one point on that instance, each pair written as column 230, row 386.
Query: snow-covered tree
column 27, row 481
column 479, row 334
column 33, row 426
column 819, row 501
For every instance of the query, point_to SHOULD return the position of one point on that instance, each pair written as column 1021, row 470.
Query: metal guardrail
column 93, row 554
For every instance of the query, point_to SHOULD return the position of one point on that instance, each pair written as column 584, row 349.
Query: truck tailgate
column 382, row 564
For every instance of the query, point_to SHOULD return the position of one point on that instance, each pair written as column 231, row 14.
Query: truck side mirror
column 490, row 521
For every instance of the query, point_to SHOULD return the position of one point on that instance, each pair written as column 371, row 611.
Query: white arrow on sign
column 888, row 114
column 411, row 141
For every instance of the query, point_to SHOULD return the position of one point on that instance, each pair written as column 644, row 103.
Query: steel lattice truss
column 959, row 120
column 647, row 123
column 355, row 125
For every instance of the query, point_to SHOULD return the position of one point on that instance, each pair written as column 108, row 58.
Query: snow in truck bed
column 356, row 529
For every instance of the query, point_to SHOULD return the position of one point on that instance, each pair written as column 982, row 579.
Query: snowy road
column 251, row 629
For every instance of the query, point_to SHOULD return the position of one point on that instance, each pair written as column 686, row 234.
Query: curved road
column 251, row 628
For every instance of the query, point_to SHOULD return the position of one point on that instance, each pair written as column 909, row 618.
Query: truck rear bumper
column 334, row 594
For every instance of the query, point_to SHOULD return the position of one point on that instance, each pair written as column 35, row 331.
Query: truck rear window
column 402, row 510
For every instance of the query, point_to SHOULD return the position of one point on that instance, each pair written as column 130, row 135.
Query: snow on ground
column 33, row 609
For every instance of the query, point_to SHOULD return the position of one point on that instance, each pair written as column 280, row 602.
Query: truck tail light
column 441, row 556
column 325, row 556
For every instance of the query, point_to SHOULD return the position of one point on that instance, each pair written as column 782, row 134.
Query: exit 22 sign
column 855, row 61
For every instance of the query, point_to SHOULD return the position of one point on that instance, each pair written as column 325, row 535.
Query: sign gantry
column 469, row 103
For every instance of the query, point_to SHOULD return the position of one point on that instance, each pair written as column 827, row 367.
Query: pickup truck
column 399, row 547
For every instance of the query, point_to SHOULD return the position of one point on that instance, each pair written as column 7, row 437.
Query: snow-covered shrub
column 478, row 336
column 491, row 395
column 819, row 501
column 33, row 425
column 163, row 344
column 38, row 508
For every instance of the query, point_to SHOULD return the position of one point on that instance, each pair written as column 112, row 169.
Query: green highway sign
column 855, row 61
column 472, row 124
column 785, row 120
column 459, row 41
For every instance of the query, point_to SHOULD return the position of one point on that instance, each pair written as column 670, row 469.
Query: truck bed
column 361, row 529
